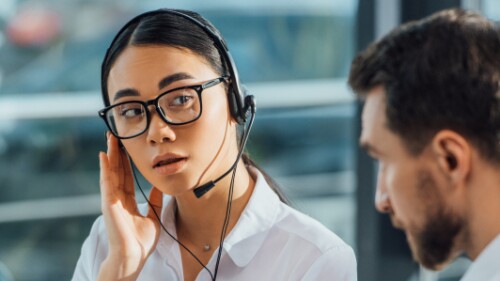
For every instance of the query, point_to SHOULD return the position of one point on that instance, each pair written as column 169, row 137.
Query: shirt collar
column 486, row 264
column 257, row 218
column 166, row 243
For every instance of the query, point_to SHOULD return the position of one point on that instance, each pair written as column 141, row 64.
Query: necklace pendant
column 206, row 248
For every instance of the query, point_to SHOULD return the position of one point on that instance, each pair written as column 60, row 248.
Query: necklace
column 206, row 248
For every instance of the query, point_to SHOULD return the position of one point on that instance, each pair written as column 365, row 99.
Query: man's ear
column 453, row 154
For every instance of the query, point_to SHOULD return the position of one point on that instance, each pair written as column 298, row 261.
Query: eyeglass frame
column 198, row 88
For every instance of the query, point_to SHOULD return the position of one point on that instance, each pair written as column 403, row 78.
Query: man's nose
column 382, row 200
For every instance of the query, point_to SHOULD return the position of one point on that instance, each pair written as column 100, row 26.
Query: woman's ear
column 453, row 154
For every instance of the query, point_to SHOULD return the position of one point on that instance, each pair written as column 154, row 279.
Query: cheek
column 205, row 137
column 208, row 137
column 209, row 129
column 414, row 196
column 401, row 183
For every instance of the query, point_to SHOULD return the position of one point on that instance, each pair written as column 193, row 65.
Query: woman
column 174, row 106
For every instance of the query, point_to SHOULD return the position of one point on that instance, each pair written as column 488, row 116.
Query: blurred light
column 7, row 8
column 5, row 274
column 33, row 26
column 491, row 8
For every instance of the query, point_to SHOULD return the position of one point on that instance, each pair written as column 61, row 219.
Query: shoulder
column 93, row 252
column 97, row 235
column 96, row 244
column 496, row 277
column 284, row 222
column 308, row 230
column 312, row 250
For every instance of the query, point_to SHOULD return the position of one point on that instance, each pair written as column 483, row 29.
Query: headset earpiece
column 237, row 104
column 233, row 104
column 250, row 104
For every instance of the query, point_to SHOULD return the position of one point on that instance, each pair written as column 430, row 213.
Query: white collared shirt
column 487, row 265
column 270, row 241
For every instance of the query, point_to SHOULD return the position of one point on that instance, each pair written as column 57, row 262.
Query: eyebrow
column 128, row 92
column 167, row 80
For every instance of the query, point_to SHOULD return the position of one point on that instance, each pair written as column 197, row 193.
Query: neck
column 200, row 220
column 483, row 209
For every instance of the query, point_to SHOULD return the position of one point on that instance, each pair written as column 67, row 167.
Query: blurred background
column 293, row 55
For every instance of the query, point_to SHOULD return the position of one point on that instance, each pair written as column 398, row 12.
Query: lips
column 168, row 163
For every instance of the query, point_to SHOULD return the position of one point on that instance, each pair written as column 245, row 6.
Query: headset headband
column 236, row 93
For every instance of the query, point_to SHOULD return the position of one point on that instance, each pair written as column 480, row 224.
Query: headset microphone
column 249, row 105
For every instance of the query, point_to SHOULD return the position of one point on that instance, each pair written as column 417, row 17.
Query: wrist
column 119, row 267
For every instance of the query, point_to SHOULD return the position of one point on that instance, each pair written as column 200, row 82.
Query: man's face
column 411, row 189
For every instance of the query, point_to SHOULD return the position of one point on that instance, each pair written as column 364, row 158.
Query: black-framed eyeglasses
column 177, row 106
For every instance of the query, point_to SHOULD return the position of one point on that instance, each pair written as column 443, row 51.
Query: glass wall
column 292, row 55
column 491, row 9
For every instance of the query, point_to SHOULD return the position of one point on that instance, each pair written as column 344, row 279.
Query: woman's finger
column 113, row 154
column 126, row 174
column 112, row 204
column 106, row 181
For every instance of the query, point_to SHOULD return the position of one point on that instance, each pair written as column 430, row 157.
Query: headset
column 238, row 101
column 240, row 104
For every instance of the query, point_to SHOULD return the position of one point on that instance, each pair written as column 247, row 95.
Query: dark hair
column 166, row 29
column 442, row 72
column 170, row 29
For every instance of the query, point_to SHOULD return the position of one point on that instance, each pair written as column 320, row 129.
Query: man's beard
column 434, row 243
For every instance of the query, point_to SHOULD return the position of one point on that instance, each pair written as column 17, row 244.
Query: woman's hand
column 132, row 236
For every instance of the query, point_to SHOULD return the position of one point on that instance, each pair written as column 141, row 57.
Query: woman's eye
column 131, row 112
column 181, row 100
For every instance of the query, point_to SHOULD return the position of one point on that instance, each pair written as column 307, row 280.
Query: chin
column 172, row 186
column 431, row 263
column 435, row 246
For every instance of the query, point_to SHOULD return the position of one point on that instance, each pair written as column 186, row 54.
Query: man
column 432, row 121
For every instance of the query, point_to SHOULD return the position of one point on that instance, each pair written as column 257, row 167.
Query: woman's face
column 175, row 158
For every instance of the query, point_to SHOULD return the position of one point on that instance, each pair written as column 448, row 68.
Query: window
column 292, row 55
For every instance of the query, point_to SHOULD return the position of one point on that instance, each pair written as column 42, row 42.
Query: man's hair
column 442, row 72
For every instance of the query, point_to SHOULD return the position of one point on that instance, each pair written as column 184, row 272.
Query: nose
column 382, row 200
column 159, row 131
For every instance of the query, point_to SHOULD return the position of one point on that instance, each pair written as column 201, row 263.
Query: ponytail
column 274, row 186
